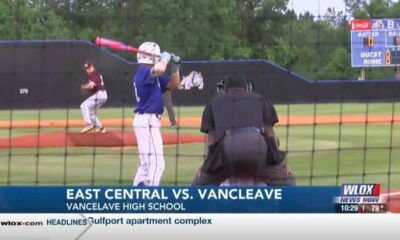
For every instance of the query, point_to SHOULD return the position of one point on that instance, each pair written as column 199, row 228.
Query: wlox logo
column 359, row 193
column 360, row 190
column 20, row 223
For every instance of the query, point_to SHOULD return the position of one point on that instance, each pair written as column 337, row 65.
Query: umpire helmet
column 233, row 80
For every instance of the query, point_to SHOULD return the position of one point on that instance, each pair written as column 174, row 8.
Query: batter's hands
column 175, row 63
column 175, row 59
column 165, row 56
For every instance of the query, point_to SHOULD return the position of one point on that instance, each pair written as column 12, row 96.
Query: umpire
column 240, row 137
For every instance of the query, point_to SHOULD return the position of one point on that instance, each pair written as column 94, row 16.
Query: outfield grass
column 292, row 109
column 62, row 114
column 318, row 155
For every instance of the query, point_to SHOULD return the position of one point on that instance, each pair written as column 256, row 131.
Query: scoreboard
column 375, row 42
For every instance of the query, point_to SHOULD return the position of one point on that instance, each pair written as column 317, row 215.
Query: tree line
column 317, row 47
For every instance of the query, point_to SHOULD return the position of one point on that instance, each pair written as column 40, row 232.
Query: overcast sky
column 316, row 7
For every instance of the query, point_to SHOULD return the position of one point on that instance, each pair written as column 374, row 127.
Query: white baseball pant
column 90, row 106
column 150, row 146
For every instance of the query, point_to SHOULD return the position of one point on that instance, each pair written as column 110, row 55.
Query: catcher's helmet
column 149, row 47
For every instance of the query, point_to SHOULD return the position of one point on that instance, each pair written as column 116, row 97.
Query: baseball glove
column 83, row 90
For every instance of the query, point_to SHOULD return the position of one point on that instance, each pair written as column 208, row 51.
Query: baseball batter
column 90, row 106
column 149, row 84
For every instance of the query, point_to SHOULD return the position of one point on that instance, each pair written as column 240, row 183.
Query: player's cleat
column 100, row 130
column 87, row 128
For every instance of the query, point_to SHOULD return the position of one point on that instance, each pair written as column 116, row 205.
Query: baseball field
column 327, row 144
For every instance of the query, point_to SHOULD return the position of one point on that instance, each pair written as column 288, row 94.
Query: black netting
column 334, row 128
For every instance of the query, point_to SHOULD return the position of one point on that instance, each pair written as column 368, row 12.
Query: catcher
column 89, row 107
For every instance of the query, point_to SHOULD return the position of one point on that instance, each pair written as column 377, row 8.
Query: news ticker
column 348, row 198
column 195, row 226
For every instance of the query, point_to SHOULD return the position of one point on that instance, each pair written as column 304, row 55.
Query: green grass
column 112, row 166
column 292, row 109
column 336, row 109
column 62, row 114
column 318, row 155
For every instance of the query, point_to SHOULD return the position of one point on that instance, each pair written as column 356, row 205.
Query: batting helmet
column 148, row 47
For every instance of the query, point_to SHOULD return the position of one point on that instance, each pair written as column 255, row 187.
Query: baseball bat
column 119, row 46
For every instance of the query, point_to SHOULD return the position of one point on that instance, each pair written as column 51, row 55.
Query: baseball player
column 89, row 107
column 149, row 84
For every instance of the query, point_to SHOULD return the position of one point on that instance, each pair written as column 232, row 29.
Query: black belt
column 233, row 131
column 157, row 115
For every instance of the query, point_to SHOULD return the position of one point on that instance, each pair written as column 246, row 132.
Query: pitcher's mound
column 110, row 139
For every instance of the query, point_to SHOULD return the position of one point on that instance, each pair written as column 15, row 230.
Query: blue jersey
column 149, row 90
